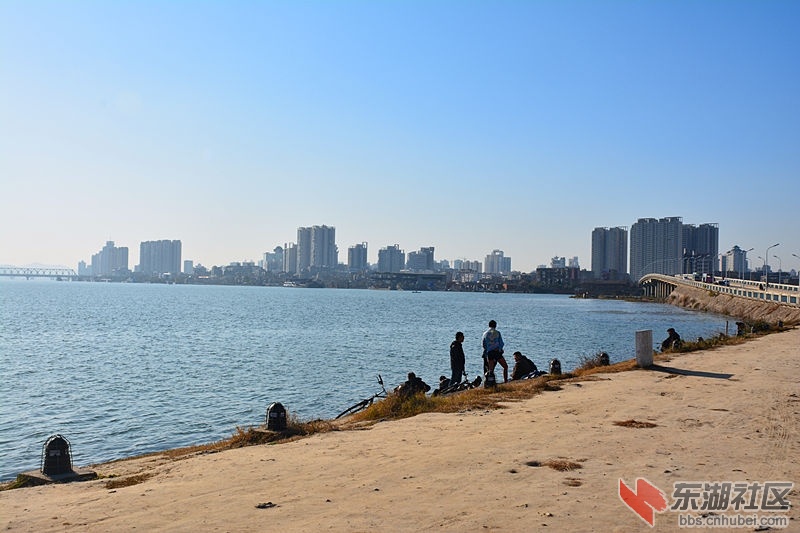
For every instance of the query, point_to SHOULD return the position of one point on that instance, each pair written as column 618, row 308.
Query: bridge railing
column 754, row 290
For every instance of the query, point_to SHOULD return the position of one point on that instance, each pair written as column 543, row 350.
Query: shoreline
column 724, row 414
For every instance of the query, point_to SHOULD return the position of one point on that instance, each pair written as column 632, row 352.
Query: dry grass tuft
column 562, row 465
column 18, row 483
column 573, row 482
column 622, row 366
column 600, row 359
column 254, row 436
column 400, row 406
column 635, row 424
column 128, row 481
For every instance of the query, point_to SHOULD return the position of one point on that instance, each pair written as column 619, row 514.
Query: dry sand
column 731, row 414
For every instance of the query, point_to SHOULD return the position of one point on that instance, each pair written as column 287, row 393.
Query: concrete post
column 644, row 348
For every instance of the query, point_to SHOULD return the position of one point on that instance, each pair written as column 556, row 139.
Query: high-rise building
column 160, row 257
column 303, row 249
column 735, row 260
column 421, row 261
column 316, row 247
column 465, row 265
column 656, row 247
column 391, row 259
column 700, row 248
column 110, row 260
column 324, row 253
column 497, row 263
column 610, row 252
column 188, row 266
column 357, row 257
column 290, row 258
column 273, row 261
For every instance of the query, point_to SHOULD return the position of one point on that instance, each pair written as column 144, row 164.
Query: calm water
column 123, row 369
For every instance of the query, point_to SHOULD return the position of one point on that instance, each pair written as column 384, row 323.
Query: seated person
column 673, row 342
column 444, row 382
column 522, row 366
column 413, row 385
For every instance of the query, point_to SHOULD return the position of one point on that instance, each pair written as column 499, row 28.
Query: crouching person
column 412, row 386
column 522, row 366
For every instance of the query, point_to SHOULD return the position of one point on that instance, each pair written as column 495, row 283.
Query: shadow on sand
column 696, row 373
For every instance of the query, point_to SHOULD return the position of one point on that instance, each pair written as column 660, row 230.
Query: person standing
column 492, row 342
column 457, row 359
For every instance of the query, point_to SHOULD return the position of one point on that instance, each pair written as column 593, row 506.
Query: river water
column 125, row 369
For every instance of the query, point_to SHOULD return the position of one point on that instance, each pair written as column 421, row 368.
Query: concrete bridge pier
column 657, row 289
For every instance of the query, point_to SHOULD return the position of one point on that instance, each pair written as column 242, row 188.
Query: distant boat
column 415, row 292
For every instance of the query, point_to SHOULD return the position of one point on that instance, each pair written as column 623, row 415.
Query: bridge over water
column 38, row 272
column 661, row 285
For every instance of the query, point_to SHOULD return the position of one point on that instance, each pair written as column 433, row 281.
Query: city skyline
column 667, row 245
column 467, row 127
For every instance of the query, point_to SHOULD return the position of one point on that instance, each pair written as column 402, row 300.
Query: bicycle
column 366, row 402
column 465, row 384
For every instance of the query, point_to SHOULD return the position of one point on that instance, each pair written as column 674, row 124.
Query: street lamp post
column 766, row 261
column 780, row 268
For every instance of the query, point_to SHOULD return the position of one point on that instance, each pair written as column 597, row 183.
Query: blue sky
column 467, row 126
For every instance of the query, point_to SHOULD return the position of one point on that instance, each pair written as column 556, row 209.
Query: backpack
column 491, row 380
column 555, row 367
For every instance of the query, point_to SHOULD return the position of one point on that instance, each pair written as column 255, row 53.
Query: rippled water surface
column 123, row 369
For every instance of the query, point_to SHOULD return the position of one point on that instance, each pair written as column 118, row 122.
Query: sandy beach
column 727, row 415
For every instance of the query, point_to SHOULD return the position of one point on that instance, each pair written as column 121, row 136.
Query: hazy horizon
column 469, row 127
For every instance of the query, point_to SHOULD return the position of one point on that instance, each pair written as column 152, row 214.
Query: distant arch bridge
column 37, row 272
column 661, row 285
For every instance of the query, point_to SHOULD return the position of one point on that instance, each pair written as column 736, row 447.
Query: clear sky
column 468, row 126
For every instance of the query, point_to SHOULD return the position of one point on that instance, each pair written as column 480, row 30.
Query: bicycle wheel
column 360, row 406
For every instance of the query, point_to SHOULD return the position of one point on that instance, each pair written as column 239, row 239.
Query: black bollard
column 56, row 456
column 276, row 417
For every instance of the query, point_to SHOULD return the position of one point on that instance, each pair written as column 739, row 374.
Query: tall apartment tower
column 700, row 248
column 610, row 252
column 422, row 260
column 391, row 259
column 273, row 261
column 656, row 247
column 290, row 258
column 357, row 258
column 110, row 260
column 160, row 257
column 735, row 260
column 324, row 253
column 497, row 263
column 303, row 250
column 316, row 247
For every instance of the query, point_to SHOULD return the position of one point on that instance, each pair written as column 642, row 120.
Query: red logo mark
column 645, row 501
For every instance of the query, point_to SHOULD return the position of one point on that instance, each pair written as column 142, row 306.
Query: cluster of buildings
column 156, row 258
column 619, row 255
column 316, row 251
column 662, row 246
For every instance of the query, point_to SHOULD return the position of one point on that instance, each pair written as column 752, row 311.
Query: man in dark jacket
column 457, row 360
column 413, row 385
column 522, row 366
column 673, row 342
